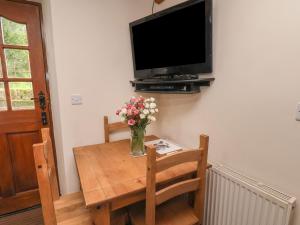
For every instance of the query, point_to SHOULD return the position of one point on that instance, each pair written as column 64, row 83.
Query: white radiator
column 234, row 199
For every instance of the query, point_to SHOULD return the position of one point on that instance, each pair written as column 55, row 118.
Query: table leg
column 101, row 214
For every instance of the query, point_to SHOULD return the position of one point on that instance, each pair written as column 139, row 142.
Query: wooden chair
column 65, row 210
column 112, row 127
column 169, row 206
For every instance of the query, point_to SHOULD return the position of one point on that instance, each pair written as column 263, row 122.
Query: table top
column 107, row 171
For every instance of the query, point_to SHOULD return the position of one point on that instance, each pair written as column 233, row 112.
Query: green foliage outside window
column 14, row 33
column 17, row 65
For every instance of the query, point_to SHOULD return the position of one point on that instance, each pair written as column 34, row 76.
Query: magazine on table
column 164, row 147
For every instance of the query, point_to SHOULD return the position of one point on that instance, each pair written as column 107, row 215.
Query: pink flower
column 129, row 112
column 136, row 112
column 118, row 112
column 134, row 100
column 141, row 106
column 129, row 106
column 131, row 122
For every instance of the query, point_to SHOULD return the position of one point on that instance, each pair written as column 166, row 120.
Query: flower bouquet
column 138, row 113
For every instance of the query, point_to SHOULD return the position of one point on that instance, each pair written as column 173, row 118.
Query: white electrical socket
column 298, row 112
column 76, row 100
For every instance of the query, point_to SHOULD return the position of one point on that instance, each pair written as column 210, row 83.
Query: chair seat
column 174, row 212
column 69, row 202
column 78, row 217
column 70, row 210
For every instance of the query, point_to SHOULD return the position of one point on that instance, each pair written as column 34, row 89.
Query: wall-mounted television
column 174, row 41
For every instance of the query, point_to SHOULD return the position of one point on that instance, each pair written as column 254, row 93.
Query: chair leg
column 101, row 215
column 128, row 219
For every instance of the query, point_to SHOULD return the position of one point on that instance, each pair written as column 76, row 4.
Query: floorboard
column 31, row 216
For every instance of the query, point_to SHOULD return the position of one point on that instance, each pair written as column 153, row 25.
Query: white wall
column 249, row 111
column 89, row 53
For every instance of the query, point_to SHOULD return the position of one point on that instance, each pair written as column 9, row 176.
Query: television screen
column 174, row 41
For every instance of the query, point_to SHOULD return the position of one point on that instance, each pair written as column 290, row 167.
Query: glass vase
column 137, row 141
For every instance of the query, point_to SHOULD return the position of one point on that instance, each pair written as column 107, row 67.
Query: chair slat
column 44, row 184
column 151, row 185
column 51, row 162
column 166, row 162
column 176, row 190
column 117, row 126
column 45, row 134
column 201, row 172
column 112, row 127
column 106, row 129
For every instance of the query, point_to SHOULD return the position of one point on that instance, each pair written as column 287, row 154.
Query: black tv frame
column 191, row 69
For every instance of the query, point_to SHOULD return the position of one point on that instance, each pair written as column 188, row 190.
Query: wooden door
column 23, row 103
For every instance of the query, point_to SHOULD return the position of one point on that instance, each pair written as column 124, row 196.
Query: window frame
column 5, row 79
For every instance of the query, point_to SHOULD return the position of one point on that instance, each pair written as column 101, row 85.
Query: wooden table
column 111, row 178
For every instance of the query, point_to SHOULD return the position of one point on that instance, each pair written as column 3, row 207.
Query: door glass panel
column 20, row 95
column 17, row 63
column 3, row 105
column 14, row 33
column 1, row 72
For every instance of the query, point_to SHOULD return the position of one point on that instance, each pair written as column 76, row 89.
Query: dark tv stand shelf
column 171, row 86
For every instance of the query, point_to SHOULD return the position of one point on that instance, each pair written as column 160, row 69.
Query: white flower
column 123, row 118
column 156, row 110
column 152, row 111
column 152, row 105
column 152, row 99
column 146, row 111
column 142, row 116
column 147, row 105
column 123, row 111
column 152, row 118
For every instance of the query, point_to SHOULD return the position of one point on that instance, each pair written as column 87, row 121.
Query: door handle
column 41, row 99
column 42, row 102
column 44, row 118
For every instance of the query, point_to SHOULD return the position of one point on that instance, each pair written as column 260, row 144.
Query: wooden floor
column 28, row 217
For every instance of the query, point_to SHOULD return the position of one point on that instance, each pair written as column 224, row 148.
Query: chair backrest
column 197, row 184
column 47, row 176
column 112, row 127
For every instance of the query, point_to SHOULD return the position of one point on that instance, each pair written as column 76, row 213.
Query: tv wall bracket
column 171, row 86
